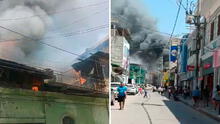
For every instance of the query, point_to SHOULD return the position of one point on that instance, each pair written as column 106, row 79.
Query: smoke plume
column 28, row 17
column 146, row 43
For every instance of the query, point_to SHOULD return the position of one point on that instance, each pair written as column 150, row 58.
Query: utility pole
column 195, row 19
column 198, row 40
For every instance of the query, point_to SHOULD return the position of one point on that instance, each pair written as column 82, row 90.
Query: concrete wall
column 117, row 49
column 24, row 106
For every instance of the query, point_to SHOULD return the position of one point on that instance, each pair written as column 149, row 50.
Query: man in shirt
column 122, row 95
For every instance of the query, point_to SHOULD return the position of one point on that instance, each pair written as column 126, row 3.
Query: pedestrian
column 188, row 92
column 140, row 90
column 196, row 96
column 206, row 95
column 169, row 92
column 145, row 92
column 122, row 92
column 185, row 92
column 175, row 94
column 217, row 98
column 162, row 90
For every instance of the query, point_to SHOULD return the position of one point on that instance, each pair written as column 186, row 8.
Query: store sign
column 200, row 78
column 173, row 53
column 216, row 59
column 190, row 68
column 206, row 66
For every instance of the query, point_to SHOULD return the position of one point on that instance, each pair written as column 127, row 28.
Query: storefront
column 207, row 74
column 190, row 80
column 182, row 79
column 216, row 66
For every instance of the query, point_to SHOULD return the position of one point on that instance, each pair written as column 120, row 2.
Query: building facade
column 137, row 73
column 210, row 44
column 119, row 53
column 182, row 61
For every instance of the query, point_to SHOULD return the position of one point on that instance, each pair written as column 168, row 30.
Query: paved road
column 156, row 110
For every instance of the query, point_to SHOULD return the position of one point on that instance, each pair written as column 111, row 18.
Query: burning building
column 94, row 71
column 15, row 75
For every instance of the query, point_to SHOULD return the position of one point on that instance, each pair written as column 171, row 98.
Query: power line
column 70, row 34
column 18, row 69
column 53, row 12
column 153, row 30
column 78, row 20
column 178, row 3
column 175, row 23
column 47, row 44
column 181, row 4
column 174, row 27
column 37, row 67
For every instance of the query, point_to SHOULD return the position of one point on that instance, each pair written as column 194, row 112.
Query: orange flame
column 35, row 88
column 82, row 80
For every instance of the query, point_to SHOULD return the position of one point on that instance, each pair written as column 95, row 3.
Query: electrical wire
column 181, row 4
column 69, row 34
column 54, row 12
column 40, row 69
column 78, row 20
column 38, row 66
column 174, row 27
column 153, row 30
column 46, row 44
column 58, row 72
column 176, row 19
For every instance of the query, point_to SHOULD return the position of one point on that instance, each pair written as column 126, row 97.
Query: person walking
column 188, row 92
column 196, row 96
column 140, row 91
column 122, row 92
column 175, row 94
column 206, row 95
column 169, row 92
column 217, row 98
column 185, row 92
column 145, row 92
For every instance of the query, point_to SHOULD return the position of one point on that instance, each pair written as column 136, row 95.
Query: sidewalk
column 209, row 111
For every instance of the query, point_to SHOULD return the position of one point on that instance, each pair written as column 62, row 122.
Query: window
column 218, row 25
column 68, row 120
column 212, row 31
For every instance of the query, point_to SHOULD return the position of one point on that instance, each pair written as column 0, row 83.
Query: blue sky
column 164, row 11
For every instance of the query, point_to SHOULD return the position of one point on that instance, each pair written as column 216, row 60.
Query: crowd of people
column 198, row 96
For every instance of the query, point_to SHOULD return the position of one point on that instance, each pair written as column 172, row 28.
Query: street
column 156, row 109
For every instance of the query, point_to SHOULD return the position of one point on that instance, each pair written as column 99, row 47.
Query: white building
column 120, row 52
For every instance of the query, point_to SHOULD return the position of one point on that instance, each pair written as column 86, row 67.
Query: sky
column 164, row 11
column 72, row 25
column 66, row 28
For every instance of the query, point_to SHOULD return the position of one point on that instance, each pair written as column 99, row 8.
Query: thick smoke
column 29, row 17
column 146, row 43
